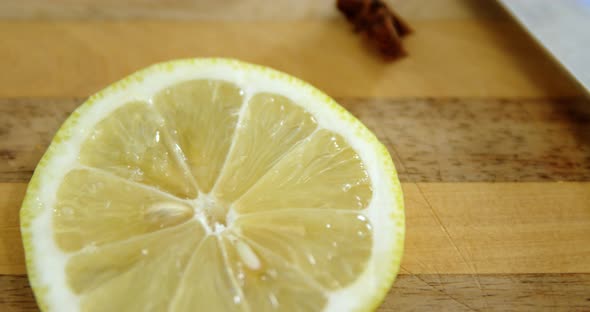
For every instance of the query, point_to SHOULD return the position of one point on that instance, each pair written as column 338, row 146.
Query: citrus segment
column 270, row 127
column 132, row 142
column 331, row 248
column 273, row 285
column 140, row 274
column 201, row 115
column 323, row 163
column 125, row 209
column 206, row 283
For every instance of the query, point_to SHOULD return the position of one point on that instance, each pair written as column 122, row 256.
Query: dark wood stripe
column 26, row 128
column 498, row 292
column 431, row 140
column 425, row 292
column 482, row 140
column 16, row 294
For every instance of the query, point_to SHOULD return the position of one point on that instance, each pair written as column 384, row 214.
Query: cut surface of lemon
column 212, row 185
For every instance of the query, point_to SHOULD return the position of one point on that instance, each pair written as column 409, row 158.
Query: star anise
column 379, row 23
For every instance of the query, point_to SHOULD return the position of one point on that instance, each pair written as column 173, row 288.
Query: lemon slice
column 212, row 185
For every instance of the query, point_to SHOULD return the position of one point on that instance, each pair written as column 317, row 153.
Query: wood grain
column 424, row 292
column 474, row 58
column 231, row 10
column 26, row 129
column 480, row 228
column 462, row 228
column 489, row 292
column 16, row 294
column 12, row 259
column 431, row 140
column 468, row 140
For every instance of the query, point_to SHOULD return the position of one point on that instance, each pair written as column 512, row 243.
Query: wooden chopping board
column 490, row 137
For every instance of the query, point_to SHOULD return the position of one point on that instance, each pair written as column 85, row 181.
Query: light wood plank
column 229, row 10
column 463, row 228
column 479, row 228
column 431, row 140
column 12, row 259
column 448, row 58
column 424, row 292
